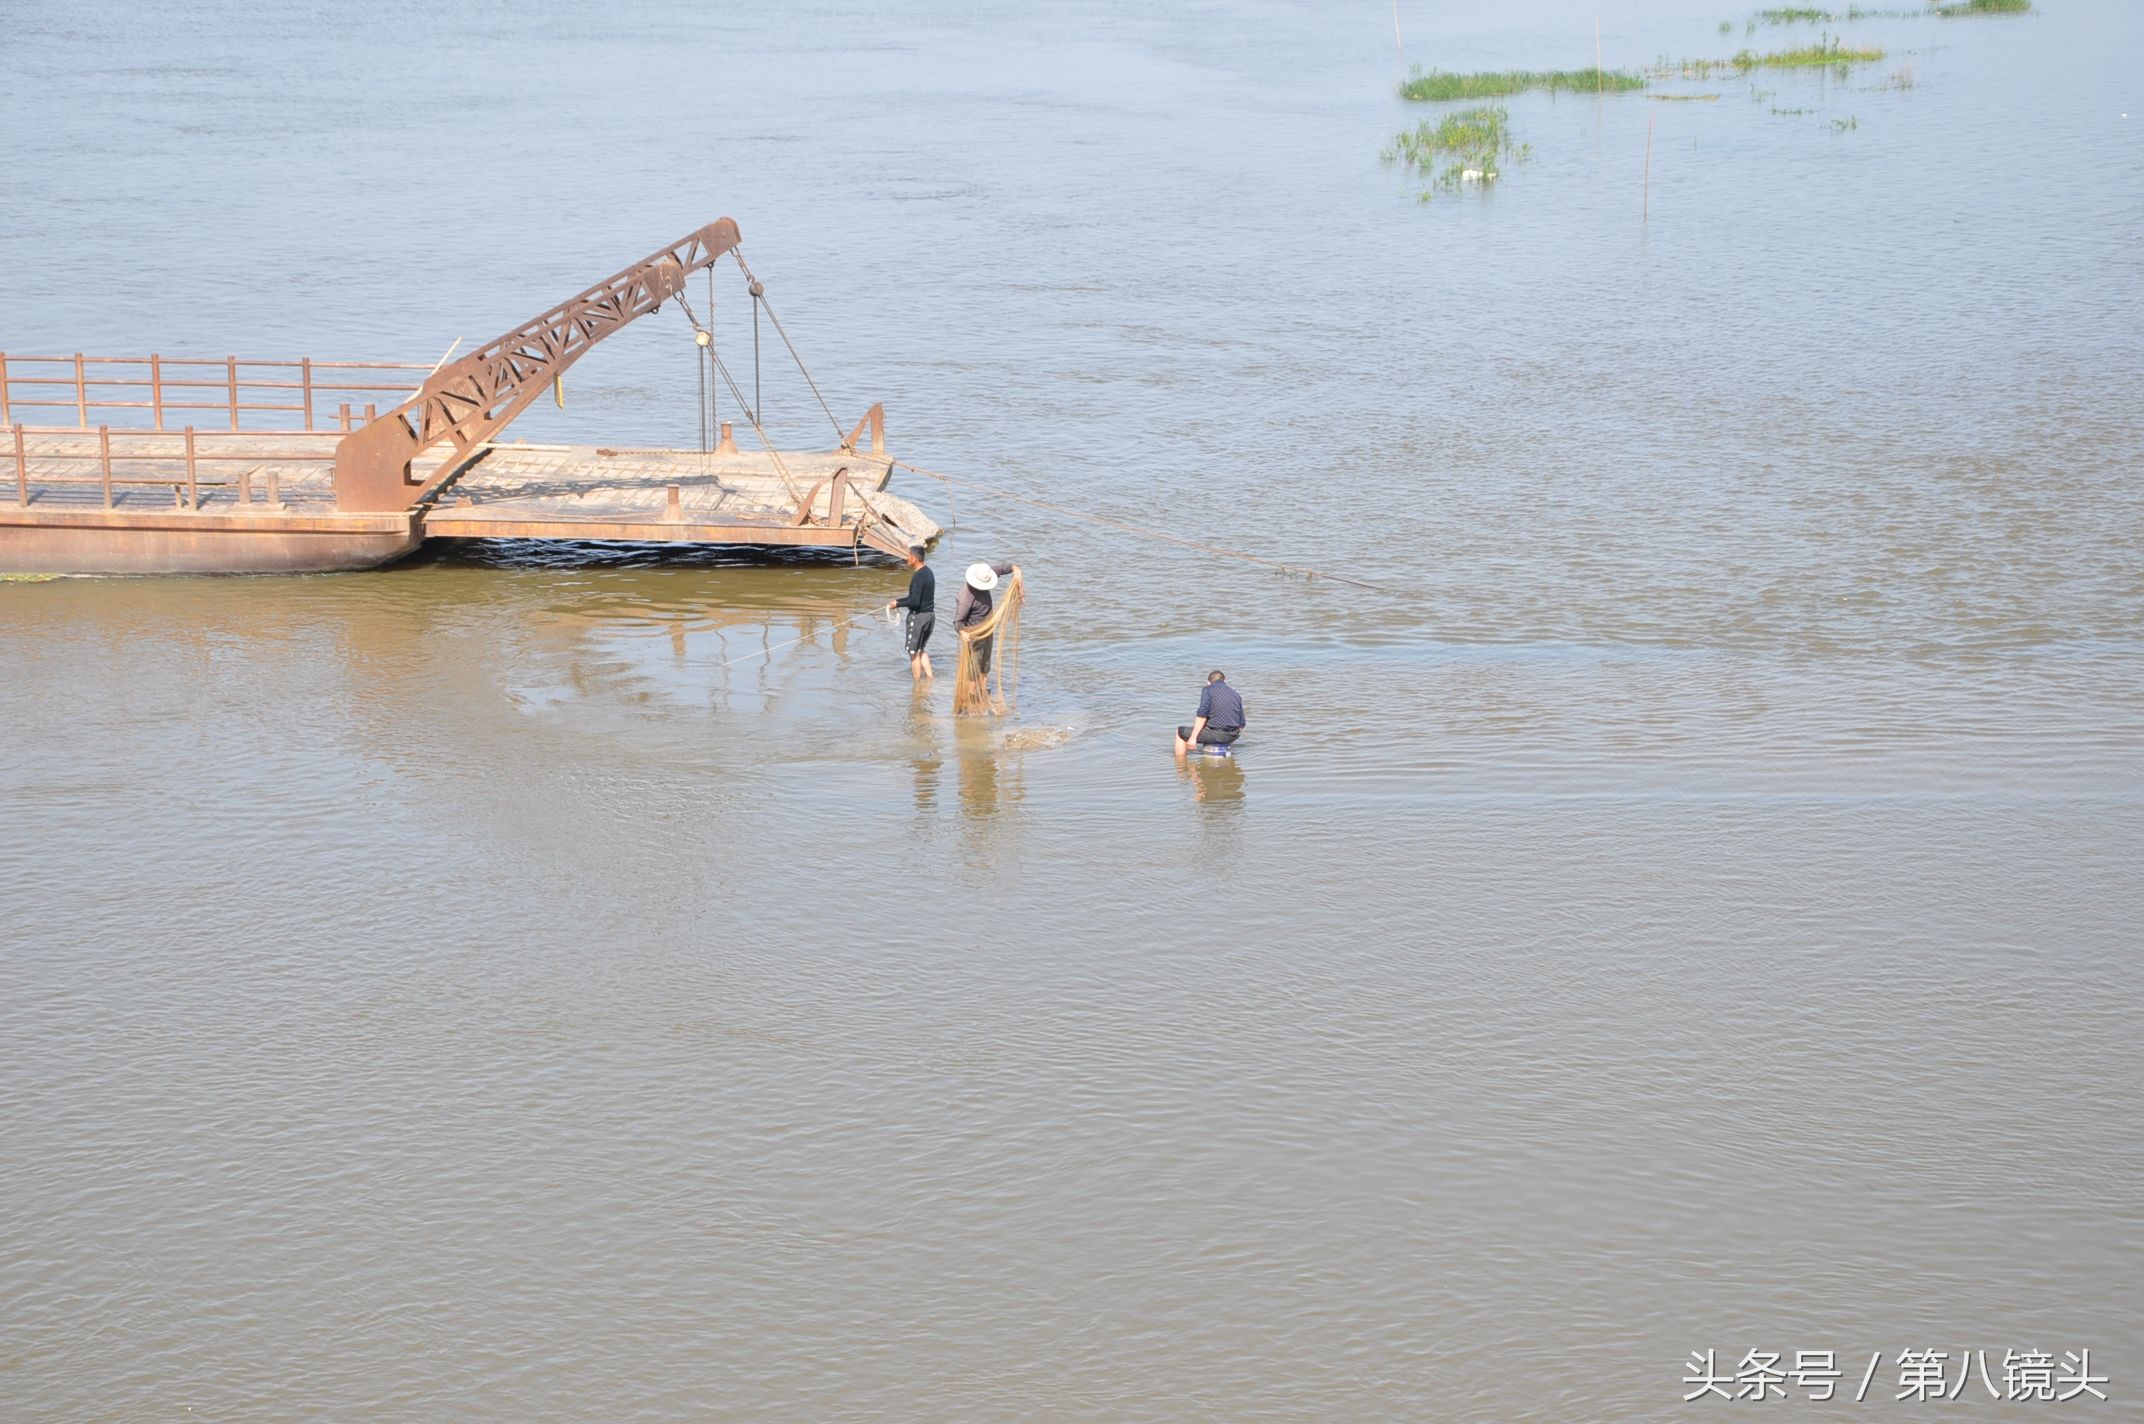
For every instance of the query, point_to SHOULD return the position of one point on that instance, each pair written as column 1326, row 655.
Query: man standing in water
column 922, row 606
column 1220, row 719
column 976, row 601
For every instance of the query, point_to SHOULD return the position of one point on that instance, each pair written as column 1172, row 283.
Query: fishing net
column 988, row 681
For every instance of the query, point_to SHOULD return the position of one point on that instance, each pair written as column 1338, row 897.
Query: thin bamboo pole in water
column 1645, row 213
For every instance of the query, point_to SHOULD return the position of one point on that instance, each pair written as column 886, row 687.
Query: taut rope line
column 1139, row 529
column 759, row 294
column 749, row 414
column 777, row 647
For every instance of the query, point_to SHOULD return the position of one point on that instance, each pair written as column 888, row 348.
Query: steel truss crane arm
column 472, row 399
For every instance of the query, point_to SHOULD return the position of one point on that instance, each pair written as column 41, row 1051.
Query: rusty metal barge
column 241, row 466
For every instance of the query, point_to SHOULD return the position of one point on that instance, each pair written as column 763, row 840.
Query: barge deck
column 303, row 471
column 265, row 503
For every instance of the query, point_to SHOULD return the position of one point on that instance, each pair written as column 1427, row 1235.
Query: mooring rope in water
column 1139, row 529
column 777, row 647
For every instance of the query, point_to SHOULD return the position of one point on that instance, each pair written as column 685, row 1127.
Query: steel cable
column 759, row 300
column 759, row 295
column 753, row 416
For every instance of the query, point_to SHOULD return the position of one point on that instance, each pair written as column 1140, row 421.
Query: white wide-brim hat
column 982, row 578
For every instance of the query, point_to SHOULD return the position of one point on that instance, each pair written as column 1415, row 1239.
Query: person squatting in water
column 1220, row 717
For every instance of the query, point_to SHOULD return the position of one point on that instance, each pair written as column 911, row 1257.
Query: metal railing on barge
column 147, row 373
column 329, row 398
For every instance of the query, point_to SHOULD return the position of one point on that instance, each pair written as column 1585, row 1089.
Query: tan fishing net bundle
column 988, row 681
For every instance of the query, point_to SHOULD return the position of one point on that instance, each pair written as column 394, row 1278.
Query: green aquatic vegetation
column 1470, row 144
column 1984, row 7
column 1846, row 124
column 1826, row 52
column 1803, row 15
column 1440, row 86
column 1808, row 15
column 1667, row 68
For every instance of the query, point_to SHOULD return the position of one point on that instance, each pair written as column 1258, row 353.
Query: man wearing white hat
column 976, row 602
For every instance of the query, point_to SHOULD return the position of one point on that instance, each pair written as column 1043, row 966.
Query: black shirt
column 922, row 591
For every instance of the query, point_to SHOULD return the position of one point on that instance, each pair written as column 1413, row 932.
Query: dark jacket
column 975, row 605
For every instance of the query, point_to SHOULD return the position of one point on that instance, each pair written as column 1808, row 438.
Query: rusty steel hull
column 444, row 525
column 267, row 512
column 257, row 544
column 184, row 542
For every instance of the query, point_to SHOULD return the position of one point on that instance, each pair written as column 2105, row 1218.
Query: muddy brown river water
column 1690, row 903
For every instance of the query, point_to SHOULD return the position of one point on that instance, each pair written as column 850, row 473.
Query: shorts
column 919, row 630
column 1211, row 736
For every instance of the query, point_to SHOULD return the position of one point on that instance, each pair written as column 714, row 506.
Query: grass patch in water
column 1442, row 86
column 1809, row 15
column 1803, row 15
column 1471, row 143
column 1827, row 53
